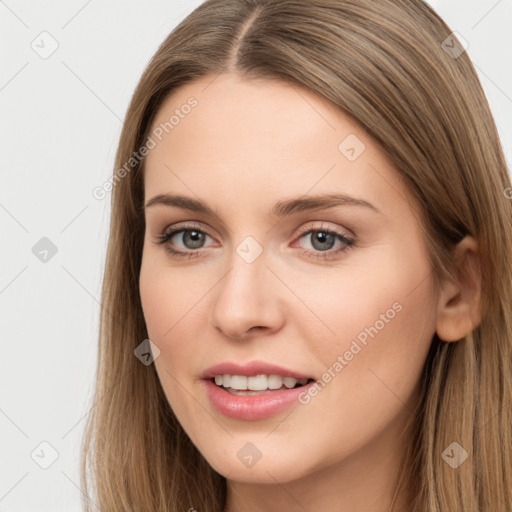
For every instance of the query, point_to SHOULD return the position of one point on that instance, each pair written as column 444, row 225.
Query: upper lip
column 251, row 369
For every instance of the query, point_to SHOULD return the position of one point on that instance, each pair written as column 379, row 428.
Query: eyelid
column 311, row 226
column 185, row 225
column 341, row 234
column 164, row 236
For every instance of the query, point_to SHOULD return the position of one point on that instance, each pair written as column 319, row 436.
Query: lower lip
column 253, row 407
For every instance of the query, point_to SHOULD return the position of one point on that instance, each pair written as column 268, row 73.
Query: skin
column 247, row 145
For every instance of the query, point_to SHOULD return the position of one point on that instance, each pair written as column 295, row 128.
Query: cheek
column 378, row 315
column 168, row 296
column 352, row 303
column 171, row 306
column 174, row 302
column 384, row 322
column 155, row 301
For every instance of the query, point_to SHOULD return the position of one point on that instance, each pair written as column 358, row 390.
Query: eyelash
column 165, row 236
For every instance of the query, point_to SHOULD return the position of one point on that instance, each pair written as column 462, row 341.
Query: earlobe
column 459, row 309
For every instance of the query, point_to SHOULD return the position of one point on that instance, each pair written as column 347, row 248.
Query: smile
column 253, row 405
column 257, row 383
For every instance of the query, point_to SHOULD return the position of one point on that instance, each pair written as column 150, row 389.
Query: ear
column 458, row 309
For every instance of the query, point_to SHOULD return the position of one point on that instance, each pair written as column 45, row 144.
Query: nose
column 247, row 301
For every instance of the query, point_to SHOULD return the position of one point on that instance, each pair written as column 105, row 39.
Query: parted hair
column 392, row 66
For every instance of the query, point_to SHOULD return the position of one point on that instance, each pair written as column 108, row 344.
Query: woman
column 308, row 280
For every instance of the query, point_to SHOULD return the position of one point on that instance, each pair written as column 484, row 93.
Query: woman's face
column 271, row 272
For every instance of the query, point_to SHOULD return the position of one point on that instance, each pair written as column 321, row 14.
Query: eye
column 322, row 241
column 192, row 238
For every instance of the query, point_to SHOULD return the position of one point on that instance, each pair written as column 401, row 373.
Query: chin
column 267, row 470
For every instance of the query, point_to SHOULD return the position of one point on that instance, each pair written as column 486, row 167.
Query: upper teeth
column 258, row 382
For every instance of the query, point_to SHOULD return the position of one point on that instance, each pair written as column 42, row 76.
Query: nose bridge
column 245, row 298
column 244, row 283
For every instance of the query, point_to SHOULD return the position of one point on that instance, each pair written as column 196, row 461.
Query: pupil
column 324, row 238
column 196, row 238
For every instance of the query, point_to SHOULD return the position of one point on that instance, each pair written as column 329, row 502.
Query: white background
column 60, row 121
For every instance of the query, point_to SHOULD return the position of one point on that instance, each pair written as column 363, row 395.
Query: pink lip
column 251, row 369
column 253, row 407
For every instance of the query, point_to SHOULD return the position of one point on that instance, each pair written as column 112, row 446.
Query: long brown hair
column 395, row 68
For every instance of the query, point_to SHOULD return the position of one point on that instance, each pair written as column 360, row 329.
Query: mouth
column 254, row 390
column 255, row 404
column 257, row 385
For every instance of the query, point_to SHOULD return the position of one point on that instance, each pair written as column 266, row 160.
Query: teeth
column 274, row 382
column 237, row 382
column 289, row 382
column 257, row 382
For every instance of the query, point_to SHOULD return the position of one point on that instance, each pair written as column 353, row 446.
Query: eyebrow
column 280, row 209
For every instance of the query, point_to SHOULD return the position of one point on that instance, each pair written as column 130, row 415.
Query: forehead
column 254, row 141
